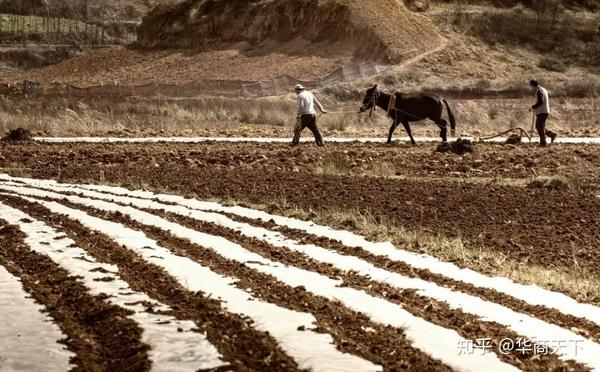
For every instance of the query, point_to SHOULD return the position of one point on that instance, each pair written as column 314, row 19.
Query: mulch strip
column 468, row 326
column 352, row 332
column 99, row 333
column 550, row 228
column 581, row 326
column 245, row 348
column 436, row 312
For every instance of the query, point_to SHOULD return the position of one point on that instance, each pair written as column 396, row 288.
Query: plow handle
column 532, row 125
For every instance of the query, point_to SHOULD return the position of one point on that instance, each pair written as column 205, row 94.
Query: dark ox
column 410, row 107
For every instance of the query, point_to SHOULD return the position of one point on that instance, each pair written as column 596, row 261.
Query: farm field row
column 415, row 259
column 306, row 295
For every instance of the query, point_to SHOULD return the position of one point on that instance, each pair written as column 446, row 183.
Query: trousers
column 307, row 121
column 540, row 125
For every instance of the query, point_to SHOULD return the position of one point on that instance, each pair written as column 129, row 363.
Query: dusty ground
column 129, row 66
column 535, row 206
column 499, row 196
column 250, row 48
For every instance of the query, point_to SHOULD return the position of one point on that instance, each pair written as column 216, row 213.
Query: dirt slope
column 252, row 40
column 127, row 66
column 380, row 29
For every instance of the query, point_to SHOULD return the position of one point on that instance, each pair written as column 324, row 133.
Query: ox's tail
column 451, row 117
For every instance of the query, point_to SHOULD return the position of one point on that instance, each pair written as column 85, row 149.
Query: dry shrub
column 18, row 135
column 339, row 124
column 546, row 28
column 334, row 163
column 564, row 183
column 552, row 64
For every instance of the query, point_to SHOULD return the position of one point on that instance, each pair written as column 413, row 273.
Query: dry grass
column 16, row 170
column 574, row 102
column 75, row 117
column 385, row 169
column 491, row 118
column 556, row 183
column 63, row 116
column 574, row 179
column 334, row 163
column 339, row 123
column 228, row 116
column 569, row 116
column 338, row 163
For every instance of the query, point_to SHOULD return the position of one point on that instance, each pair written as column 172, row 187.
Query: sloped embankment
column 366, row 31
column 224, row 42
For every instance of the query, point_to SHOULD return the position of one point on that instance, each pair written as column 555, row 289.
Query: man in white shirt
column 307, row 115
column 541, row 107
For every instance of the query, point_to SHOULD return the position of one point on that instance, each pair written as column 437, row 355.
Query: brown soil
column 477, row 197
column 468, row 326
column 385, row 345
column 242, row 346
column 439, row 313
column 457, row 196
column 513, row 139
column 458, row 147
column 123, row 66
column 378, row 30
column 101, row 335
column 578, row 325
column 250, row 42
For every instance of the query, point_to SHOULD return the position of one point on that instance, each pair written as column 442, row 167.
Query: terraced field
column 141, row 280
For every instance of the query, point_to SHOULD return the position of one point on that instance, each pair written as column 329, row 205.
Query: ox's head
column 370, row 100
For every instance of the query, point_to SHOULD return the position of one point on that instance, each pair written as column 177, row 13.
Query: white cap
column 298, row 87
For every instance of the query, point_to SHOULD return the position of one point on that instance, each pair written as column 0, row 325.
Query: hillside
column 196, row 40
column 380, row 29
column 81, row 9
column 254, row 48
column 38, row 33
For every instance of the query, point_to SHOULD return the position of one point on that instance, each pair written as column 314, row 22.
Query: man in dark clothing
column 542, row 110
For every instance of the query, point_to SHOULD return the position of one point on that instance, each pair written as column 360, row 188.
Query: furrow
column 100, row 334
column 245, row 348
column 174, row 344
column 29, row 340
column 352, row 331
column 380, row 310
column 311, row 350
column 530, row 294
column 468, row 326
column 581, row 326
column 585, row 351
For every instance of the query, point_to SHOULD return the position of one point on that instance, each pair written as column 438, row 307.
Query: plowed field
column 176, row 257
